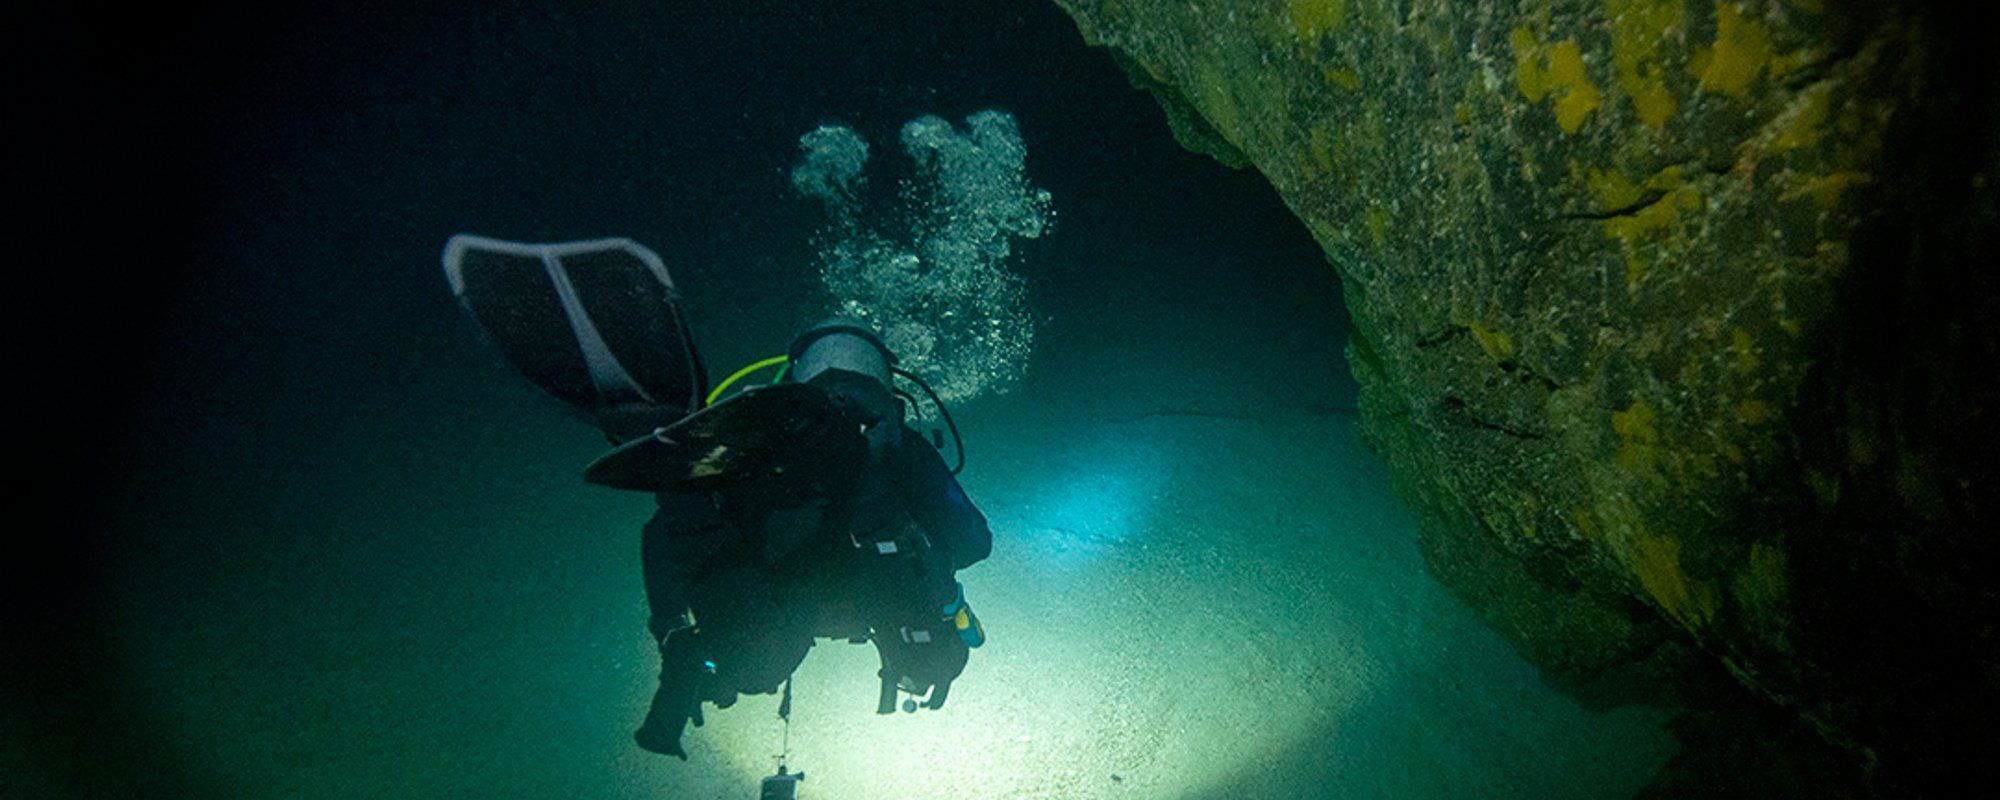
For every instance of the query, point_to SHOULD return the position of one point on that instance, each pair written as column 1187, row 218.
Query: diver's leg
column 684, row 532
column 677, row 541
column 885, row 702
column 677, row 699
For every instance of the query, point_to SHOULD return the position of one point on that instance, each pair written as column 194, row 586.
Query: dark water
column 325, row 545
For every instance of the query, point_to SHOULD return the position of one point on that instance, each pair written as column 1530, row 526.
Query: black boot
column 665, row 719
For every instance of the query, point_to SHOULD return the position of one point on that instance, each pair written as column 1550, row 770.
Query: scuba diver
column 807, row 508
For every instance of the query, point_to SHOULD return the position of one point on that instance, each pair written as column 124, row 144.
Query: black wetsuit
column 864, row 546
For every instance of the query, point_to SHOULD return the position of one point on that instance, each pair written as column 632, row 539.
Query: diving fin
column 596, row 324
column 789, row 431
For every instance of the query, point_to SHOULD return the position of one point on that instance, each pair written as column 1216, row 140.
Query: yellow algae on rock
column 1656, row 560
column 1742, row 46
column 1310, row 18
column 1345, row 78
column 1637, row 229
column 1532, row 504
column 1753, row 412
column 1743, row 350
column 1801, row 125
column 1557, row 69
column 1788, row 63
column 1220, row 107
column 1529, row 74
column 1377, row 221
column 1637, row 440
column 1613, row 189
column 1637, row 28
column 1585, row 524
column 1320, row 145
column 1826, row 189
column 1646, row 220
column 1577, row 96
column 1498, row 345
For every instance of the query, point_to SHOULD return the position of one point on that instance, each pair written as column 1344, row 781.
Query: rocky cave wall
column 1675, row 323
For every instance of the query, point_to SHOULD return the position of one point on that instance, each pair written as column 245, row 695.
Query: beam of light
column 1099, row 496
column 1115, row 667
column 1112, row 681
column 1209, row 628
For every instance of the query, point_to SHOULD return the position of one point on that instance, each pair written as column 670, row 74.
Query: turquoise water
column 349, row 555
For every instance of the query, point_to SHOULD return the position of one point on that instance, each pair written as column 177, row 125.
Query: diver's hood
column 841, row 343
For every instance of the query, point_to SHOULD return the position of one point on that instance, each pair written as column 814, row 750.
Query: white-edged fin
column 595, row 323
column 606, row 373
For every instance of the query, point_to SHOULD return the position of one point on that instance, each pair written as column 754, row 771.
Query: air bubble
column 939, row 288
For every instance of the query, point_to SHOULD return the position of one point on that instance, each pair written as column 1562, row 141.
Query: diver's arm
column 941, row 507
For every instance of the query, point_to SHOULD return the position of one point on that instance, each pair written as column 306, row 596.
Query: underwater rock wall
column 1675, row 322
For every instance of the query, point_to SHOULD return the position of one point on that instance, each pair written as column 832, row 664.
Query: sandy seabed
column 1189, row 605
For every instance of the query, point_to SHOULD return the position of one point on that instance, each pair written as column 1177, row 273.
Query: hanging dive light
column 782, row 786
column 785, row 784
